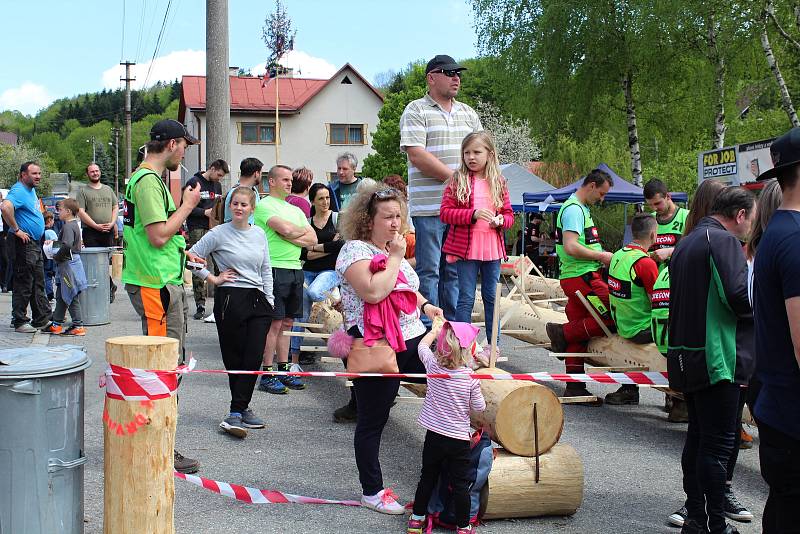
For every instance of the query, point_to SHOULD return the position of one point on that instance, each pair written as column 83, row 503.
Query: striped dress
column 449, row 400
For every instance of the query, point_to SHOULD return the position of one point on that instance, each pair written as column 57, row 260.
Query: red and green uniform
column 629, row 299
column 659, row 302
column 573, row 267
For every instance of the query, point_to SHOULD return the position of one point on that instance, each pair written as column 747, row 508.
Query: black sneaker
column 233, row 425
column 626, row 394
column 678, row 518
column 693, row 527
column 346, row 414
column 734, row 509
column 199, row 314
column 185, row 465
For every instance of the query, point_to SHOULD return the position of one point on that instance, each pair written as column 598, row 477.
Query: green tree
column 11, row 157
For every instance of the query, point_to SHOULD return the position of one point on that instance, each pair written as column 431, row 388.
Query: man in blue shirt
column 22, row 211
column 776, row 293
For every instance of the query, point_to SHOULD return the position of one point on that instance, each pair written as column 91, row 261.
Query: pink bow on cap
column 465, row 333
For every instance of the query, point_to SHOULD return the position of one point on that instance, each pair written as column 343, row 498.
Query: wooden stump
column 116, row 265
column 509, row 414
column 512, row 490
column 139, row 442
column 323, row 313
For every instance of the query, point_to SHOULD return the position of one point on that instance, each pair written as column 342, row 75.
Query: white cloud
column 165, row 68
column 28, row 98
column 304, row 65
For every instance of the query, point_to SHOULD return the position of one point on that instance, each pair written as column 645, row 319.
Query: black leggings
column 439, row 451
column 243, row 317
column 374, row 397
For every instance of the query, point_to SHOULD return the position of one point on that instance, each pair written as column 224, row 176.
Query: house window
column 257, row 133
column 346, row 134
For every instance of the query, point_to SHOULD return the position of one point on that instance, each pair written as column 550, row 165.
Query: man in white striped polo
column 431, row 131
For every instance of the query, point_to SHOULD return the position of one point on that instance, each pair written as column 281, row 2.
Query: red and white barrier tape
column 257, row 496
column 123, row 383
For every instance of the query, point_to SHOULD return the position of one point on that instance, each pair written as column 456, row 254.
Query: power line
column 141, row 31
column 158, row 44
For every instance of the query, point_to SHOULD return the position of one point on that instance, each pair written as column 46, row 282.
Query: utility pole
column 94, row 149
column 128, row 159
column 115, row 133
column 218, row 93
column 277, row 118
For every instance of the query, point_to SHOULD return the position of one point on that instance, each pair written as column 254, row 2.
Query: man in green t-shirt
column 99, row 206
column 288, row 231
column 671, row 220
column 154, row 248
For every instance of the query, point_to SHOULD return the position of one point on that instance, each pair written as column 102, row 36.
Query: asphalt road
column 630, row 454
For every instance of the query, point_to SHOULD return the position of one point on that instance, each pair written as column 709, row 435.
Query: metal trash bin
column 96, row 299
column 41, row 440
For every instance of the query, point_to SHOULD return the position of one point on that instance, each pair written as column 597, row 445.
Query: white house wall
column 304, row 134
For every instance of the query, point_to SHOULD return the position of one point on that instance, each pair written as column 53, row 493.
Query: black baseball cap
column 171, row 129
column 444, row 63
column 785, row 152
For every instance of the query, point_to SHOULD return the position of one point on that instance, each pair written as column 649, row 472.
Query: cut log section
column 512, row 490
column 322, row 313
column 509, row 414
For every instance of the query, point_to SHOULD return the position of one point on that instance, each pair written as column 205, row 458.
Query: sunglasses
column 382, row 194
column 448, row 73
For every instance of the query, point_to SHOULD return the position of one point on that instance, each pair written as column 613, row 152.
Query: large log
column 509, row 414
column 512, row 490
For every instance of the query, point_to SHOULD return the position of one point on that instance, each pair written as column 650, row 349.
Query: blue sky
column 67, row 48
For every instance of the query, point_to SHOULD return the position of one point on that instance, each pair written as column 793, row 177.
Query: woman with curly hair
column 373, row 224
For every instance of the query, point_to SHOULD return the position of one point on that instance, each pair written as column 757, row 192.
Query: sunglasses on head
column 384, row 194
column 448, row 73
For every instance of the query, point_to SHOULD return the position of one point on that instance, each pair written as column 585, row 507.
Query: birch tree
column 786, row 99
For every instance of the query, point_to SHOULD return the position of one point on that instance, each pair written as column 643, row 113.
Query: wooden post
column 139, row 490
column 116, row 265
column 593, row 313
column 495, row 325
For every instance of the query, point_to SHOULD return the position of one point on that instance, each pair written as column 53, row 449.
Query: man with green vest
column 671, row 220
column 581, row 256
column 631, row 277
column 154, row 248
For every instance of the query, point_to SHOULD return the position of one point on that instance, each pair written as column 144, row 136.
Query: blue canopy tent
column 623, row 192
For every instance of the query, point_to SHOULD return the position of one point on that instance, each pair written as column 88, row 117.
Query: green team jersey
column 630, row 303
column 670, row 232
column 659, row 302
column 573, row 267
column 147, row 201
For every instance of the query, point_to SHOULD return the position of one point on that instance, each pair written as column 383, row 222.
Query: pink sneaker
column 384, row 502
column 467, row 530
column 419, row 526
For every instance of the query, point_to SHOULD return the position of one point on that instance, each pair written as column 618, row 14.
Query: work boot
column 346, row 414
column 555, row 332
column 578, row 389
column 185, row 465
column 199, row 314
column 626, row 394
column 679, row 412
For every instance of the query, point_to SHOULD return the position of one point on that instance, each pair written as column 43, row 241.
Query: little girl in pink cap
column 446, row 416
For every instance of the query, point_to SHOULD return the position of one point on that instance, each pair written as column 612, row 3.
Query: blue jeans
column 438, row 280
column 317, row 287
column 467, row 282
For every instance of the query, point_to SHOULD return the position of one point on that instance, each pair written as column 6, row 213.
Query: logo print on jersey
column 659, row 298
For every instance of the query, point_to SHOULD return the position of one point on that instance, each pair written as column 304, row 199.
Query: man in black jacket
column 198, row 222
column 710, row 354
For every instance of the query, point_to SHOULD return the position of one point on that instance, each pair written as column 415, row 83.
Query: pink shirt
column 485, row 244
column 449, row 400
column 301, row 203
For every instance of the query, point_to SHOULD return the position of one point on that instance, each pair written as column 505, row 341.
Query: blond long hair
column 497, row 184
column 454, row 356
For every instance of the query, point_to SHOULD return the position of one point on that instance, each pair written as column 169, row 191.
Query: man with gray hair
column 431, row 131
column 347, row 183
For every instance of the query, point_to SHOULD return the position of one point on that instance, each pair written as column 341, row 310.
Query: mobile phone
column 194, row 265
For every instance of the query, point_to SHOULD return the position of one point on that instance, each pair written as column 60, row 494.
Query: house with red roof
column 319, row 119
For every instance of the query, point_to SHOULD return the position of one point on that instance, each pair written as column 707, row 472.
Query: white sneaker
column 210, row 318
column 295, row 368
column 384, row 502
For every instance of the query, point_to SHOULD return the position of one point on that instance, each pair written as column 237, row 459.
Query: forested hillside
column 62, row 134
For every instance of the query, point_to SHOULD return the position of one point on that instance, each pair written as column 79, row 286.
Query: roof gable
column 247, row 93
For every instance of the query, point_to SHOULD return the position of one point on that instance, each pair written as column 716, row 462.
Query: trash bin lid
column 38, row 361
column 95, row 250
